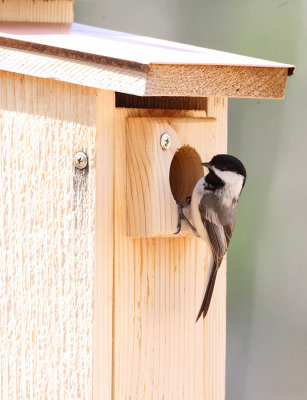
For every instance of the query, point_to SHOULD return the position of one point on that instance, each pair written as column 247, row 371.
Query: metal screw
column 165, row 141
column 80, row 160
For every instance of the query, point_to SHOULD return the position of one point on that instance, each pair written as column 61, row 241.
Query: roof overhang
column 134, row 64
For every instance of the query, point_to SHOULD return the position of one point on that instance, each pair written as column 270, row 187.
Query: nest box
column 98, row 297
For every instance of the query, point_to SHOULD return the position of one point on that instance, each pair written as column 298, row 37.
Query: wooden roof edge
column 160, row 80
column 291, row 70
column 72, row 54
column 97, row 76
column 114, row 48
column 105, row 60
column 216, row 80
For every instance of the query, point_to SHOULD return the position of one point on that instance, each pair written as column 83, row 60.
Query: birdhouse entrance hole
column 185, row 171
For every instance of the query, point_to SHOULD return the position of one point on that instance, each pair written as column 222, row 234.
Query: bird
column 213, row 209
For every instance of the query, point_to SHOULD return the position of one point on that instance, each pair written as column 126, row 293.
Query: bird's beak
column 206, row 164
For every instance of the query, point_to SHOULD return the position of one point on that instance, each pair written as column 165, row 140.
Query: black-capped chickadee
column 213, row 208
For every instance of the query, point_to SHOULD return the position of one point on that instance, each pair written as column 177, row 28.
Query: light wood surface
column 47, row 236
column 159, row 351
column 151, row 67
column 104, row 249
column 113, row 315
column 72, row 71
column 216, row 80
column 215, row 326
column 37, row 10
column 152, row 210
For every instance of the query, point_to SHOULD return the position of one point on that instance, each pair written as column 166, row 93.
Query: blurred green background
column 267, row 269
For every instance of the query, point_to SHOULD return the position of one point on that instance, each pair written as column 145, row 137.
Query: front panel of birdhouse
column 47, row 239
column 158, row 172
column 159, row 350
column 99, row 296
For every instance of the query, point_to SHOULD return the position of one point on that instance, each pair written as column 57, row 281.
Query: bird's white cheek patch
column 233, row 182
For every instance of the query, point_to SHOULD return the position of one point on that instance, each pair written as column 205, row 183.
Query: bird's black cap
column 226, row 162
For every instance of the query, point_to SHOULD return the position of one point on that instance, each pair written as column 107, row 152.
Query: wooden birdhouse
column 99, row 132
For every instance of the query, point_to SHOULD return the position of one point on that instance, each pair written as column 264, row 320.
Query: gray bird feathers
column 213, row 205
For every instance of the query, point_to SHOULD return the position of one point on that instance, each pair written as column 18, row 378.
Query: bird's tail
column 208, row 294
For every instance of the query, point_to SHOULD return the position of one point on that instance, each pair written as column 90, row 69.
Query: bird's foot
column 181, row 217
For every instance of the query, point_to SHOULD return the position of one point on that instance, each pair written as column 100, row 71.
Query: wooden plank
column 47, row 238
column 182, row 81
column 215, row 323
column 37, row 10
column 72, row 71
column 158, row 102
column 216, row 80
column 159, row 351
column 72, row 54
column 152, row 210
column 156, row 67
column 103, row 273
column 119, row 47
column 73, row 41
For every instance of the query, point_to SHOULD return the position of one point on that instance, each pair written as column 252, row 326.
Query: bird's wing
column 228, row 229
column 219, row 237
column 219, row 224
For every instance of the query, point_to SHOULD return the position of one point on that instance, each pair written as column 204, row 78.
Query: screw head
column 80, row 160
column 165, row 141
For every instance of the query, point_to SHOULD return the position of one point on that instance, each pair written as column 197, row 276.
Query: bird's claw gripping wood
column 181, row 217
column 180, row 213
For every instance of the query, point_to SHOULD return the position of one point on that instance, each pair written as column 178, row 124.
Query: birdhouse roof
column 135, row 64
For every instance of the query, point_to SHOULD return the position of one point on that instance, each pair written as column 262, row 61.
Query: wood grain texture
column 72, row 71
column 152, row 210
column 158, row 102
column 159, row 81
column 216, row 80
column 159, row 351
column 47, row 239
column 215, row 325
column 104, row 250
column 37, row 10
column 168, row 68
